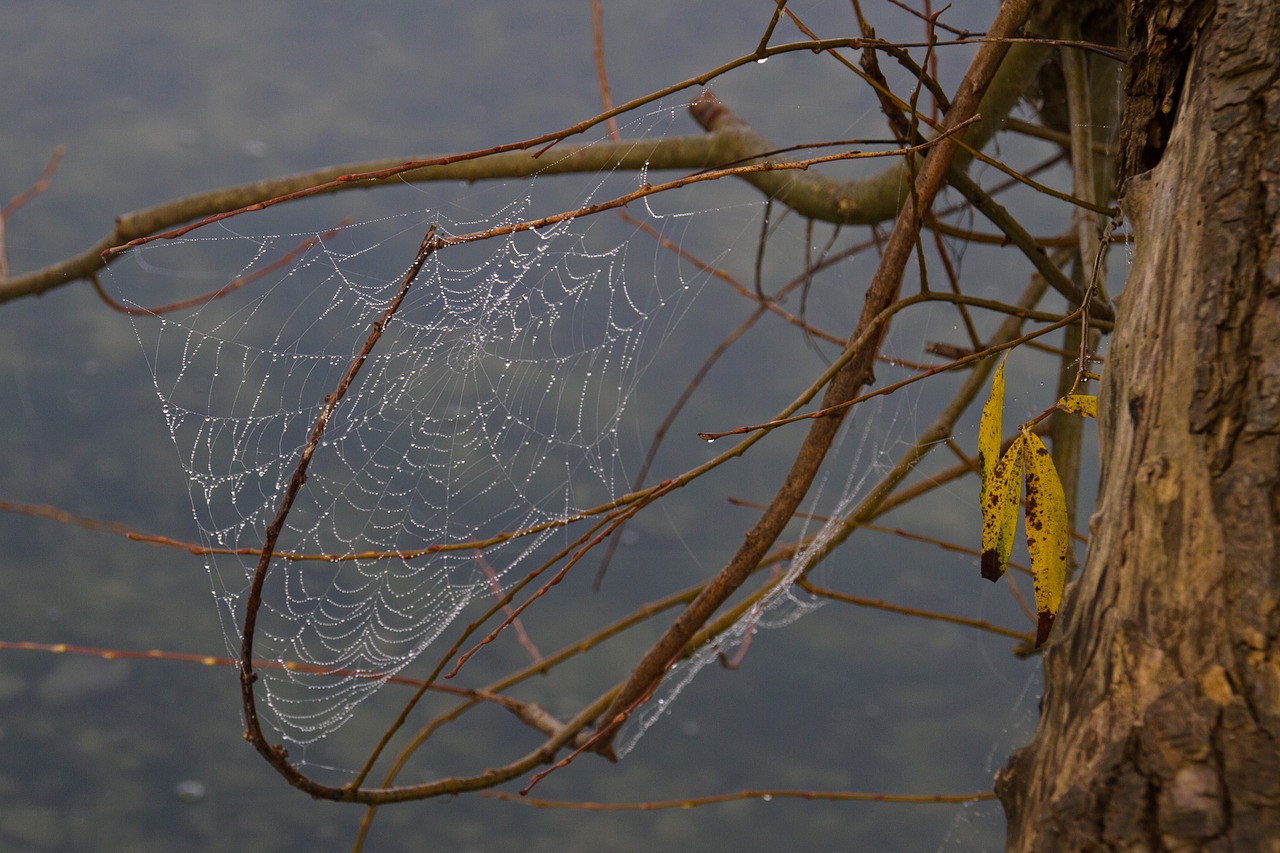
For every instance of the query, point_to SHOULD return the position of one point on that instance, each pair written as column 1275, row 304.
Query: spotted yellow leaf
column 1047, row 531
column 1000, row 501
column 989, row 430
column 1080, row 404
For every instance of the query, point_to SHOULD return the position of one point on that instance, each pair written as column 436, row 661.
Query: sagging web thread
column 492, row 403
column 784, row 602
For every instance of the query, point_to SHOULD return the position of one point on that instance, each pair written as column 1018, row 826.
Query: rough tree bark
column 1161, row 717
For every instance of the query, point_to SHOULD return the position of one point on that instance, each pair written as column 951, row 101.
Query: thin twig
column 41, row 184
column 226, row 290
column 496, row 585
column 828, row 411
column 876, row 604
column 277, row 755
column 881, row 293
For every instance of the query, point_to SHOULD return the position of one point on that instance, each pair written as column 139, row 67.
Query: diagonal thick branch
column 276, row 755
column 882, row 292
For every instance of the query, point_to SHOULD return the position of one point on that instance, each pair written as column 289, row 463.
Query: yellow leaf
column 1080, row 404
column 1047, row 531
column 1000, row 511
column 989, row 430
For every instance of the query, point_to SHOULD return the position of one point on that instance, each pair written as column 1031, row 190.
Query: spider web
column 862, row 458
column 498, row 408
column 492, row 404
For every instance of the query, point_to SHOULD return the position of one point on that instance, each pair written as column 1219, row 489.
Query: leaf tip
column 991, row 565
column 1043, row 628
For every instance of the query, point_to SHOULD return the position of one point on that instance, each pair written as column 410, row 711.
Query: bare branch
column 880, row 294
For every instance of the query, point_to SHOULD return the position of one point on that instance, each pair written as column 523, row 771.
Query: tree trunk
column 1161, row 716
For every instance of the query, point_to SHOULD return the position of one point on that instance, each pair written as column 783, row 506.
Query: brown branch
column 226, row 290
column 677, row 153
column 39, row 187
column 881, row 293
column 772, row 25
column 501, row 161
column 41, row 184
column 495, row 584
column 876, row 604
column 602, row 74
column 827, row 411
column 276, row 755
column 63, row 517
column 1020, row 237
column 514, row 613
column 528, row 712
column 860, row 202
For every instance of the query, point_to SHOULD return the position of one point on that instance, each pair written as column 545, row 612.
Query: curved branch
column 876, row 198
column 681, row 152
column 869, row 200
column 873, row 199
column 845, row 385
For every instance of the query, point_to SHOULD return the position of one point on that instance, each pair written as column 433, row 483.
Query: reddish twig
column 516, row 624
column 602, row 76
column 227, row 289
column 828, row 411
column 277, row 756
column 541, row 143
column 856, row 372
column 609, row 525
column 63, row 517
column 39, row 187
column 911, row 611
column 528, row 712
column 41, row 184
